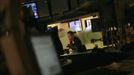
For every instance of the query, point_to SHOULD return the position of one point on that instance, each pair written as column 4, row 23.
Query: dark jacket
column 75, row 44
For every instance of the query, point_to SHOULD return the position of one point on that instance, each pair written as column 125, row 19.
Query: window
column 75, row 25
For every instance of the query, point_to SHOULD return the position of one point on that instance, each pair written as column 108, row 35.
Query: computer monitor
column 46, row 54
column 96, row 25
column 75, row 25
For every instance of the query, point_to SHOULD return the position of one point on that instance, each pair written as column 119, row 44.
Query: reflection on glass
column 75, row 25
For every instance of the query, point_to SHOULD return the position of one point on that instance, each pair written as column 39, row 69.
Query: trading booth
column 35, row 41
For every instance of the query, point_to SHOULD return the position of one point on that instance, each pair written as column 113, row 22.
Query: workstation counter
column 88, row 60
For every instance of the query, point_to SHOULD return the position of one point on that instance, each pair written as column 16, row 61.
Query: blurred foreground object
column 18, row 60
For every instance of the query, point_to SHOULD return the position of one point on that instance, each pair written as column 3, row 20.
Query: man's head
column 70, row 35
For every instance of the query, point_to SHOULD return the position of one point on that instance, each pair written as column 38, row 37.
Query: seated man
column 75, row 43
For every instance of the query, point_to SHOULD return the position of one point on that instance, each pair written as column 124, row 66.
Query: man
column 74, row 42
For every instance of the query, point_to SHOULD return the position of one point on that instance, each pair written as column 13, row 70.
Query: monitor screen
column 32, row 5
column 75, row 25
column 46, row 55
column 96, row 25
column 88, row 25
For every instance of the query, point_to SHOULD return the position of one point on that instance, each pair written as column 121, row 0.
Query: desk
column 90, row 52
column 87, row 60
column 72, row 54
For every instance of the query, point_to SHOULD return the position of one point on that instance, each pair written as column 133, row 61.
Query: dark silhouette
column 29, row 20
column 56, row 40
column 75, row 42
